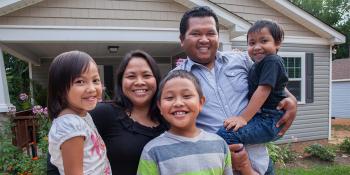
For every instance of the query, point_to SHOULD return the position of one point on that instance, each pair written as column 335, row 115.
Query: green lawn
column 316, row 170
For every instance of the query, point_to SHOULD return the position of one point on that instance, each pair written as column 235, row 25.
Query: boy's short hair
column 275, row 29
column 180, row 74
column 200, row 11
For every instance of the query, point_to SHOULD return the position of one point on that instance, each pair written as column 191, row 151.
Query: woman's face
column 139, row 83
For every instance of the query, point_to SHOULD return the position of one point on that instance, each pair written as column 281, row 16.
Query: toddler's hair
column 180, row 74
column 63, row 70
column 275, row 29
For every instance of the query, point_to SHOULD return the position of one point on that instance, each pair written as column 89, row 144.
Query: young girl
column 184, row 149
column 75, row 146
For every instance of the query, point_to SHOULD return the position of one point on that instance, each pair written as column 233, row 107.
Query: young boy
column 267, row 80
column 184, row 149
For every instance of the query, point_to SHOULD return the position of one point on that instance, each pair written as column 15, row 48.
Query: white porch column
column 4, row 93
column 225, row 46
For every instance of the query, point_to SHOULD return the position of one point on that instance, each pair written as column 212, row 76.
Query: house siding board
column 135, row 13
column 253, row 10
column 310, row 116
column 341, row 99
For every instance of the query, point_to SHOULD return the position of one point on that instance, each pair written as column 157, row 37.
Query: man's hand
column 236, row 122
column 290, row 106
column 240, row 160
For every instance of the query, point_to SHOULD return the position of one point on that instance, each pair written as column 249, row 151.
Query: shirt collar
column 220, row 58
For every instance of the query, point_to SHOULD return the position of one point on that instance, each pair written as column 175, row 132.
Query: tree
column 334, row 13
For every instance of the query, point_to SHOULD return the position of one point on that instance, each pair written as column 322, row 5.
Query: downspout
column 330, row 94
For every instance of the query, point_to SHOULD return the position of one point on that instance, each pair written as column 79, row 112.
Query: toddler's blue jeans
column 260, row 129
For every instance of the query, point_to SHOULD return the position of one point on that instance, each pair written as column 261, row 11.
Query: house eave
column 8, row 6
column 307, row 20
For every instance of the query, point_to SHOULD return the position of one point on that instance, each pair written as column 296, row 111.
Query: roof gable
column 310, row 22
column 236, row 24
column 8, row 6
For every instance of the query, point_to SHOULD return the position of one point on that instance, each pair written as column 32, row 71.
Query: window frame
column 302, row 55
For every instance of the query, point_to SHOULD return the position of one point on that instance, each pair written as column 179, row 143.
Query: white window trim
column 303, row 72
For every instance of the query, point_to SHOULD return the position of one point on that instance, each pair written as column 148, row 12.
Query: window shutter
column 309, row 78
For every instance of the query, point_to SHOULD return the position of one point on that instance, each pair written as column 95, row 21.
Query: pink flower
column 37, row 109
column 23, row 96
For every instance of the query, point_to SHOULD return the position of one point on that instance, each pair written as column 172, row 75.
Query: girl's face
column 85, row 91
column 139, row 84
column 180, row 105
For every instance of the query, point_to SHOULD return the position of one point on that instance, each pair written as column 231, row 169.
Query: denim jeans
column 260, row 129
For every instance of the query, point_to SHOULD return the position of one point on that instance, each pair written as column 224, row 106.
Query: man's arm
column 240, row 160
column 289, row 104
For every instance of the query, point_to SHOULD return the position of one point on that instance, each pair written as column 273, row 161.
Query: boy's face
column 180, row 105
column 261, row 44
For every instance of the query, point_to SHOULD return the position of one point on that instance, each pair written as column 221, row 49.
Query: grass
column 316, row 170
column 341, row 127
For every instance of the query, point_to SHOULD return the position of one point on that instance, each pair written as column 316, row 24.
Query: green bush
column 345, row 145
column 281, row 154
column 13, row 160
column 322, row 152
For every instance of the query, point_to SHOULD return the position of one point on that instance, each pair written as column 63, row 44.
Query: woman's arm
column 72, row 155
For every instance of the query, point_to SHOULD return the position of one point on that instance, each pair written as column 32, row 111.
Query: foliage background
column 335, row 13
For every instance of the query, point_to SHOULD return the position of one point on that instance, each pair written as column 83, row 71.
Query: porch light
column 113, row 49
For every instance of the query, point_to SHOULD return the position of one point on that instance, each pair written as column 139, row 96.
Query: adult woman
column 132, row 119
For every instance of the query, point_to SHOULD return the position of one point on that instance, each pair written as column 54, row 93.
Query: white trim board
column 294, row 40
column 341, row 80
column 63, row 34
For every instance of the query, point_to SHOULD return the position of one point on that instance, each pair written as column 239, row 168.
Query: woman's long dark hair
column 123, row 101
column 63, row 70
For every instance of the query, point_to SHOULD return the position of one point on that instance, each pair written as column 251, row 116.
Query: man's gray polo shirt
column 225, row 89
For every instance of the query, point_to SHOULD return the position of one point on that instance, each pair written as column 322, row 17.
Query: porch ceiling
column 96, row 50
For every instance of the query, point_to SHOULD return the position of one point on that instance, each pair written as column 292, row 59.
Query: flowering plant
column 24, row 101
column 12, row 159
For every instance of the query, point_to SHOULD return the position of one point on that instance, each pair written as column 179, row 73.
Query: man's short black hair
column 275, row 29
column 200, row 11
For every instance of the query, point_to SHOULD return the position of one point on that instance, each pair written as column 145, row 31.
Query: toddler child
column 184, row 149
column 74, row 89
column 267, row 81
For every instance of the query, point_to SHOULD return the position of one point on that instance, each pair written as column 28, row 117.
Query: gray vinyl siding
column 124, row 13
column 341, row 99
column 253, row 10
column 312, row 121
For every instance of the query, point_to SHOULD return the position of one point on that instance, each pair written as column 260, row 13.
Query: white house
column 38, row 30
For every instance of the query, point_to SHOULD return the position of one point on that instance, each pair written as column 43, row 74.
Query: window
column 294, row 63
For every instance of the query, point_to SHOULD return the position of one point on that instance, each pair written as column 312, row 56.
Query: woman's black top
column 123, row 137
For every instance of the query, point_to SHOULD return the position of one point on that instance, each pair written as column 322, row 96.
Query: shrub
column 281, row 154
column 13, row 160
column 345, row 145
column 322, row 152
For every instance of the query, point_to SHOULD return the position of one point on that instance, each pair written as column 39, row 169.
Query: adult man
column 223, row 77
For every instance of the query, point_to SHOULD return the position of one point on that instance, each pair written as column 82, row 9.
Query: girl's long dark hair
column 62, row 72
